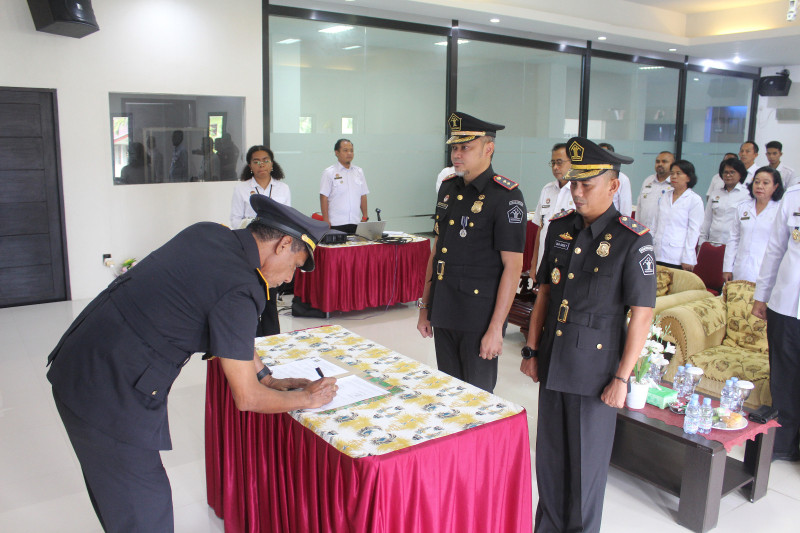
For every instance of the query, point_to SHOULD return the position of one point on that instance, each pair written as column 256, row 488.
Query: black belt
column 141, row 325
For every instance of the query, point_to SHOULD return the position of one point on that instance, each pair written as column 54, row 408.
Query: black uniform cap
column 291, row 222
column 589, row 160
column 464, row 128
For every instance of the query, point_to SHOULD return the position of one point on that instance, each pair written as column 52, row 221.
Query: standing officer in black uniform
column 476, row 261
column 596, row 265
column 112, row 370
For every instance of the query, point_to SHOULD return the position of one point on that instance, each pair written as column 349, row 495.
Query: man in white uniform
column 554, row 200
column 343, row 190
column 774, row 154
column 647, row 203
column 623, row 198
column 748, row 153
column 781, row 309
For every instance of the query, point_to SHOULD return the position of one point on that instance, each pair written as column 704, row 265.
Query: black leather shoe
column 791, row 457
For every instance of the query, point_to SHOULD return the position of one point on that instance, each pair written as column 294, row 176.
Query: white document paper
column 306, row 368
column 352, row 389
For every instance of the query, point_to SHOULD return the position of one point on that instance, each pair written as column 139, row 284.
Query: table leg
column 701, row 488
column 757, row 460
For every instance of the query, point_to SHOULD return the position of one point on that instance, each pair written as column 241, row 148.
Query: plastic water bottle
column 677, row 382
column 706, row 417
column 691, row 422
column 686, row 386
column 725, row 397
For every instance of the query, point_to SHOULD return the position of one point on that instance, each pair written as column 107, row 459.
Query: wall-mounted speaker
column 774, row 85
column 70, row 18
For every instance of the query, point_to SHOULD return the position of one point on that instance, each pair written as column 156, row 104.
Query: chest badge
column 796, row 234
column 566, row 236
column 446, row 197
column 555, row 276
column 476, row 207
column 603, row 249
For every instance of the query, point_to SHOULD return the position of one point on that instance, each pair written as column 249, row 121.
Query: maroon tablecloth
column 530, row 236
column 729, row 439
column 268, row 473
column 351, row 278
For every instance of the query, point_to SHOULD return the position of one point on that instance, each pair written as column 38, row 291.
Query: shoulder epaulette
column 451, row 176
column 505, row 182
column 635, row 226
column 562, row 215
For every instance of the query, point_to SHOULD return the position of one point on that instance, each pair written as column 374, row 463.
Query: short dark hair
column 737, row 166
column 755, row 146
column 606, row 146
column 731, row 154
column 265, row 233
column 776, row 178
column 247, row 173
column 338, row 144
column 666, row 152
column 775, row 144
column 687, row 168
column 559, row 146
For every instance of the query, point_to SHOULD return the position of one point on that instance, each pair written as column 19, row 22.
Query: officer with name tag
column 597, row 265
column 113, row 369
column 476, row 261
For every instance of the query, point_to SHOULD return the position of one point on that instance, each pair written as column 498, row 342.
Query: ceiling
column 753, row 32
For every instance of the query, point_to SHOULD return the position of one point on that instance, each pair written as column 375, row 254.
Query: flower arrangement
column 652, row 361
column 127, row 265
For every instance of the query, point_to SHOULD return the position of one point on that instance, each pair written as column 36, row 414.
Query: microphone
column 378, row 211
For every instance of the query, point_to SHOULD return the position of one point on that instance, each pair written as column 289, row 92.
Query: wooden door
column 33, row 263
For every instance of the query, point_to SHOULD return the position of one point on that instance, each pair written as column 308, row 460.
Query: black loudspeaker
column 70, row 18
column 774, row 85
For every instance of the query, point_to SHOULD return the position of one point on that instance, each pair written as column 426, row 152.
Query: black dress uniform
column 474, row 223
column 595, row 274
column 112, row 370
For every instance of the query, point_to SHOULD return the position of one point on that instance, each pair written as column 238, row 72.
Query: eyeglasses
column 260, row 162
column 730, row 173
column 557, row 162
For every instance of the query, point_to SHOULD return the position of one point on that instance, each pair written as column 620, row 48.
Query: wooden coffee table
column 696, row 470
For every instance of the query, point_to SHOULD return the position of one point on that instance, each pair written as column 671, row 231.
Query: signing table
column 433, row 455
column 358, row 275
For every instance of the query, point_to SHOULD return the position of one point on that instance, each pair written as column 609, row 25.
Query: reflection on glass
column 175, row 138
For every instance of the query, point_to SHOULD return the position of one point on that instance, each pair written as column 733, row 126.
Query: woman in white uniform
column 680, row 213
column 722, row 202
column 752, row 226
column 261, row 175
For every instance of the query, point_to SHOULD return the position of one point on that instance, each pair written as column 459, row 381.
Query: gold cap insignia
column 576, row 151
column 455, row 122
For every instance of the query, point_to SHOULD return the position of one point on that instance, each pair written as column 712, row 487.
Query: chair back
column 709, row 266
column 317, row 216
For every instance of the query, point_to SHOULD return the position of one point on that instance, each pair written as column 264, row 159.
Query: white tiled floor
column 41, row 487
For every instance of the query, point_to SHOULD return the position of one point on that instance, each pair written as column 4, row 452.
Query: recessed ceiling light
column 602, row 38
column 673, row 50
column 288, row 41
column 494, row 21
column 335, row 29
column 737, row 60
column 352, row 47
column 650, row 68
column 444, row 43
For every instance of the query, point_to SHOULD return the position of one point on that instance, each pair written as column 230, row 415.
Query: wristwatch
column 421, row 304
column 528, row 352
column 264, row 372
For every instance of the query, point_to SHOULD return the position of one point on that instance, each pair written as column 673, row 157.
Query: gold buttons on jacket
column 444, row 250
column 471, row 224
column 476, row 291
column 451, row 222
column 459, row 197
column 570, row 275
column 577, row 250
column 154, row 393
column 564, row 302
column 596, row 269
column 599, row 346
column 558, row 333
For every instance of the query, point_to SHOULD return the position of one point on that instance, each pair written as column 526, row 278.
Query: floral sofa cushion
column 663, row 280
column 743, row 331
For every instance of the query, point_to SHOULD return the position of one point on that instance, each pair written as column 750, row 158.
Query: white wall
column 204, row 47
column 768, row 128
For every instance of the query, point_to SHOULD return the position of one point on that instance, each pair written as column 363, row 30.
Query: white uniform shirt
column 779, row 268
column 647, row 203
column 446, row 171
column 553, row 201
column 720, row 213
column 716, row 183
column 623, row 198
column 751, row 172
column 677, row 227
column 240, row 203
column 748, row 240
column 788, row 177
column 344, row 188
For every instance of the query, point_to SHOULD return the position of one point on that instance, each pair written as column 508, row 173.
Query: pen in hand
column 319, row 372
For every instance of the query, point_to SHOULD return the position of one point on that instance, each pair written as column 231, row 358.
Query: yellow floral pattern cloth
column 424, row 404
column 663, row 281
column 744, row 330
column 708, row 314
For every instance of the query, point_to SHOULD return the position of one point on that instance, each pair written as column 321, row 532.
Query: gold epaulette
column 505, row 182
column 562, row 215
column 635, row 226
column 451, row 176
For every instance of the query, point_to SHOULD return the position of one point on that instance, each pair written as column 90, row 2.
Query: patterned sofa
column 676, row 287
column 719, row 335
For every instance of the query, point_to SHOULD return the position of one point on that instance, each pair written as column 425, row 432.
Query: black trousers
column 457, row 355
column 128, row 486
column 574, row 438
column 783, row 335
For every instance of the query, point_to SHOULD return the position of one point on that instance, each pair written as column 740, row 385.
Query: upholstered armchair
column 719, row 335
column 676, row 287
